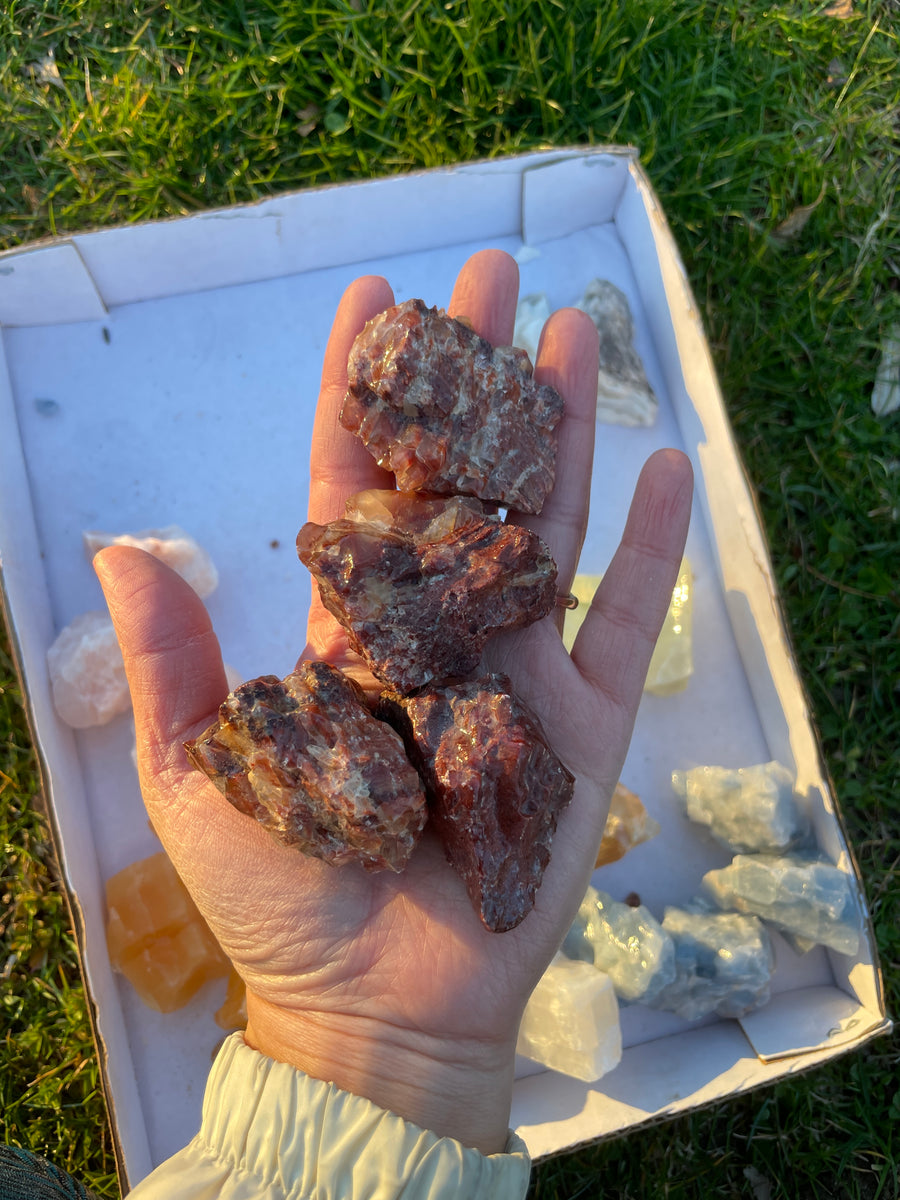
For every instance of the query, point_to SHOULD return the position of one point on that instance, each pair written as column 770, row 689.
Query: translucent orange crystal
column 627, row 825
column 233, row 1013
column 156, row 936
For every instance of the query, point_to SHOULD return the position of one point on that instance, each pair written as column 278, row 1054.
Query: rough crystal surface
column 87, row 672
column 495, row 789
column 448, row 413
column 571, row 1022
column 808, row 898
column 420, row 585
column 627, row 825
column 307, row 759
column 172, row 546
column 672, row 664
column 626, row 942
column 723, row 964
column 624, row 396
column 745, row 809
column 156, row 936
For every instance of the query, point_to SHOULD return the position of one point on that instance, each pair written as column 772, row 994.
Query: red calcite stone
column 421, row 584
column 495, row 789
column 307, row 759
column 449, row 413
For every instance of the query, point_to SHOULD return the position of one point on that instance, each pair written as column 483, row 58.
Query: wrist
column 456, row 1088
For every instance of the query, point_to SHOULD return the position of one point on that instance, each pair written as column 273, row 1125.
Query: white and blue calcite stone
column 723, row 964
column 747, row 809
column 808, row 899
column 627, row 943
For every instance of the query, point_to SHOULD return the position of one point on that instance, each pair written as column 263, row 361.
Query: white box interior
column 167, row 373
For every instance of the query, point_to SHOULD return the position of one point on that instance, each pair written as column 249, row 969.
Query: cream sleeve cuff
column 269, row 1132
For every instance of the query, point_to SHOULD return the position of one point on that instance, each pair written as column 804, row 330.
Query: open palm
column 388, row 984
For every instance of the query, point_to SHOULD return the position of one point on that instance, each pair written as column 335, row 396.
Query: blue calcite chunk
column 807, row 898
column 747, row 809
column 723, row 964
column 627, row 943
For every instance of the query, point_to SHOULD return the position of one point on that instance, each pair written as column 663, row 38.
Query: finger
column 616, row 640
column 340, row 465
column 177, row 681
column 485, row 294
column 172, row 658
column 568, row 361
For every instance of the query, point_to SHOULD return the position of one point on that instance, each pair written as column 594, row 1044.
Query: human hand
column 388, row 985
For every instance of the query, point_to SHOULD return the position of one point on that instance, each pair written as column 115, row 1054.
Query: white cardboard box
column 167, row 372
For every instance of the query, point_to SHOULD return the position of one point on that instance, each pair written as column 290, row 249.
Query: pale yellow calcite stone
column 583, row 588
column 672, row 663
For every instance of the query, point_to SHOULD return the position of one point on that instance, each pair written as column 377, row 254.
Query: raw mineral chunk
column 807, row 898
column 886, row 389
column 624, row 397
column 495, row 790
column 672, row 663
column 420, row 585
column 627, row 943
column 571, row 1022
column 233, row 1012
column 306, row 758
column 583, row 589
column 745, row 809
column 448, row 413
column 627, row 825
column 156, row 936
column 531, row 315
column 723, row 964
column 87, row 672
column 172, row 546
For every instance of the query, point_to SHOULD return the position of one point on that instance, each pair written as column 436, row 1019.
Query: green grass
column 747, row 115
column 50, row 1099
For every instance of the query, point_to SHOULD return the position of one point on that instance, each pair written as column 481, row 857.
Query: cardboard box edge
column 74, row 910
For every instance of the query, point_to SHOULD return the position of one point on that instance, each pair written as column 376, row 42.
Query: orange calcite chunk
column 233, row 1013
column 156, row 936
column 627, row 825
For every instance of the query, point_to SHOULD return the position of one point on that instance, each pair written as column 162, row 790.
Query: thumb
column 172, row 658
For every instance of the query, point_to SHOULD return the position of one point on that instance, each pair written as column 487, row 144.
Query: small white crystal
column 672, row 663
column 526, row 254
column 807, row 898
column 624, row 395
column 571, row 1021
column 745, row 809
column 172, row 546
column 531, row 313
column 723, row 964
column 87, row 672
column 627, row 943
column 886, row 391
column 583, row 589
